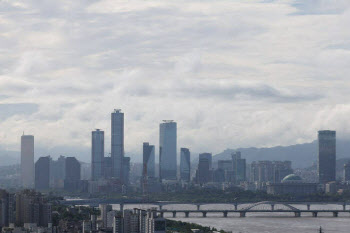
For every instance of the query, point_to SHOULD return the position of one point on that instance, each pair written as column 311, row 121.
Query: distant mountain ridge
column 301, row 155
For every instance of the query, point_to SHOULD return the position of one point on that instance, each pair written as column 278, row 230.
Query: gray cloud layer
column 232, row 73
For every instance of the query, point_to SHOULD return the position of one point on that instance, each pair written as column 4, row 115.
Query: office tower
column 57, row 172
column 203, row 171
column 42, row 173
column 27, row 161
column 97, row 154
column 239, row 167
column 240, row 170
column 104, row 209
column 126, row 170
column 32, row 207
column 219, row 175
column 326, row 156
column 148, row 160
column 225, row 168
column 117, row 143
column 346, row 172
column 185, row 164
column 73, row 171
column 209, row 157
column 167, row 150
column 4, row 208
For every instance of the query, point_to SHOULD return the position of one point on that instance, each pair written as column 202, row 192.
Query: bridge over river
column 240, row 208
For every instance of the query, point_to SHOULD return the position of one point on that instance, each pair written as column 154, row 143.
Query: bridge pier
column 308, row 206
column 297, row 214
column 160, row 207
column 161, row 214
column 187, row 214
column 335, row 214
column 174, row 214
column 236, row 206
column 344, row 207
column 272, row 207
column 314, row 214
column 121, row 207
column 204, row 214
column 225, row 214
column 242, row 214
column 198, row 207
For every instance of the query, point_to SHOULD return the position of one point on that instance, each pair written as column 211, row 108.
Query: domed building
column 291, row 184
column 292, row 178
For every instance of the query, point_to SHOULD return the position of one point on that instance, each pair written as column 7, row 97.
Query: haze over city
column 231, row 74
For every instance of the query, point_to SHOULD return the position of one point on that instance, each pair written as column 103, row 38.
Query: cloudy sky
column 231, row 73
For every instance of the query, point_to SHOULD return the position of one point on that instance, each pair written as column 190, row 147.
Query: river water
column 263, row 222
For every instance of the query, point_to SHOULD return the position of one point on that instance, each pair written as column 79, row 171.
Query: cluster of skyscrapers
column 65, row 172
column 117, row 166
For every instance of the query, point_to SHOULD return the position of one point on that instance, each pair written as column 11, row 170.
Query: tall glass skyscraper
column 117, row 143
column 27, row 161
column 167, row 150
column 326, row 156
column 148, row 160
column 185, row 164
column 97, row 154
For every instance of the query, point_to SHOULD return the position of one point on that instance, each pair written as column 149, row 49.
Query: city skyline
column 233, row 71
column 135, row 157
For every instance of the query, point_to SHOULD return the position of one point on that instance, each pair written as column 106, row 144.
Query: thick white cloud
column 231, row 73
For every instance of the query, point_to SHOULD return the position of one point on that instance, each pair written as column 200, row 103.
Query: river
column 263, row 222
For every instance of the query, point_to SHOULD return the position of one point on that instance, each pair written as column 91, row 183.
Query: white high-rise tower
column 27, row 161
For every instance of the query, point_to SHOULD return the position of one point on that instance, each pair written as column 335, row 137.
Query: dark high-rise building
column 117, row 143
column 168, row 150
column 148, row 160
column 27, row 161
column 225, row 167
column 204, row 172
column 209, row 157
column 73, row 171
column 97, row 154
column 347, row 172
column 185, row 164
column 239, row 167
column 42, row 173
column 326, row 156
